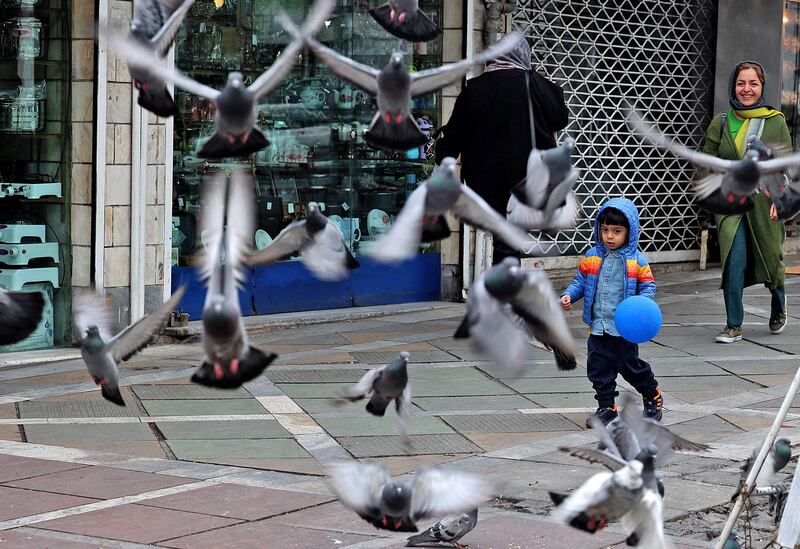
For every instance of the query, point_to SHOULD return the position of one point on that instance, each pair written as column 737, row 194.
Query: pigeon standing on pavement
column 422, row 218
column 230, row 359
column 101, row 353
column 777, row 458
column 320, row 242
column 386, row 384
column 20, row 314
column 154, row 25
column 235, row 130
column 448, row 530
column 404, row 19
column 393, row 127
column 396, row 505
column 735, row 180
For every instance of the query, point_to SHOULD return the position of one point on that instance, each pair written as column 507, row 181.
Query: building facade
column 99, row 193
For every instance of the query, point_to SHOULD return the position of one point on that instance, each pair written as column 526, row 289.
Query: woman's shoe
column 777, row 322
column 730, row 334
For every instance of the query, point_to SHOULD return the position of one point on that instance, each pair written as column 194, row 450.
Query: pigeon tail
column 787, row 204
column 377, row 407
column 435, row 230
column 422, row 539
column 462, row 332
column 158, row 102
column 632, row 540
column 395, row 137
column 20, row 318
column 415, row 27
column 564, row 361
column 246, row 369
column 217, row 146
column 349, row 261
column 112, row 394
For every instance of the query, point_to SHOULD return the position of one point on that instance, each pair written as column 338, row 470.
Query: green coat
column 765, row 242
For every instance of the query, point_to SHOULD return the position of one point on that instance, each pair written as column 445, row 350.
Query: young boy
column 612, row 270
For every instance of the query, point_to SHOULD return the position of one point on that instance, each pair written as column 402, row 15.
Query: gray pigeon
column 235, row 130
column 393, row 127
column 603, row 498
column 778, row 457
column 386, row 384
column 422, row 217
column 155, row 24
column 396, row 505
column 736, row 180
column 448, row 530
column 404, row 19
column 777, row 494
column 320, row 241
column 100, row 352
column 560, row 219
column 230, row 359
column 777, row 186
column 733, row 541
column 20, row 314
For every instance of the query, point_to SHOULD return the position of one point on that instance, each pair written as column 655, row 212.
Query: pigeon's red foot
column 398, row 119
column 386, row 521
column 392, row 15
column 96, row 380
column 218, row 372
column 730, row 198
column 245, row 137
column 402, row 17
column 398, row 523
column 139, row 85
column 234, row 366
column 231, row 138
column 388, row 118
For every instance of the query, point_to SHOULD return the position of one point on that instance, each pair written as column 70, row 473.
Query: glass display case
column 314, row 121
column 34, row 159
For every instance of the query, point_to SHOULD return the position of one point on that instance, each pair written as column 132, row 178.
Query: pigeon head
column 647, row 456
column 558, row 160
column 396, row 60
column 235, row 79
column 315, row 220
column 92, row 341
column 396, row 499
column 504, row 281
column 755, row 144
column 743, row 176
column 397, row 367
column 444, row 180
column 220, row 319
column 783, row 448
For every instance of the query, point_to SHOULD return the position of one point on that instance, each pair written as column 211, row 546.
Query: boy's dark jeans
column 609, row 356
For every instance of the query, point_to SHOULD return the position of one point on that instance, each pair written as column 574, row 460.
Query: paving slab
column 705, row 429
column 496, row 402
column 400, row 465
column 214, row 430
column 509, row 423
column 497, row 441
column 549, row 385
column 136, row 523
column 764, row 366
column 330, row 404
column 332, row 516
column 78, row 408
column 23, row 539
column 373, row 426
column 98, row 432
column 564, row 400
column 239, row 502
column 140, row 448
column 301, row 466
column 384, row 357
column 17, row 468
column 707, row 383
column 420, row 444
column 203, row 407
column 340, row 375
column 185, row 391
column 99, row 482
column 199, row 450
column 17, row 502
column 689, row 496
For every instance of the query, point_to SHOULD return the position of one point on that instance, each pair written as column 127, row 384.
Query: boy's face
column 614, row 236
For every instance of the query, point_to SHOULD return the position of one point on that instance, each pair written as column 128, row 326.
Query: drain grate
column 334, row 375
column 384, row 357
column 509, row 423
column 378, row 446
column 76, row 408
column 172, row 391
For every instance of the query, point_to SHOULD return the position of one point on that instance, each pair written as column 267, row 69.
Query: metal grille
column 658, row 54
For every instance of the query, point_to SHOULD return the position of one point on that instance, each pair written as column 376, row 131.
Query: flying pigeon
column 235, row 131
column 560, row 219
column 777, row 458
column 20, row 314
column 393, row 127
column 422, row 217
column 386, row 384
column 388, row 504
column 100, row 352
column 448, row 530
column 320, row 241
column 404, row 19
column 736, row 180
column 603, row 498
column 154, row 25
column 230, row 359
column 776, row 186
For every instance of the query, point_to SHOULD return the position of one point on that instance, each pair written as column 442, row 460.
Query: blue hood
column 628, row 208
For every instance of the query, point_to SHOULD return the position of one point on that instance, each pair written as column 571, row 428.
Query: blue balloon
column 638, row 319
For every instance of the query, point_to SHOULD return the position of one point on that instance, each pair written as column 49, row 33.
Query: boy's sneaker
column 777, row 322
column 730, row 334
column 653, row 405
column 605, row 414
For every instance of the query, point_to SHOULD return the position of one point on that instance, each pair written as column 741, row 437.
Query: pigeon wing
column 290, row 240
column 706, row 186
column 359, row 486
column 164, row 38
column 137, row 336
column 607, row 460
column 89, row 309
column 213, row 225
column 240, row 221
column 591, row 493
column 437, row 491
column 266, row 82
column 625, row 439
column 402, row 240
column 326, row 254
column 430, row 80
column 537, row 303
column 649, row 432
column 780, row 163
column 474, row 210
column 403, row 405
column 364, row 385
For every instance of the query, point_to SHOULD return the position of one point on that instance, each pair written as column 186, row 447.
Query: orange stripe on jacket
column 590, row 265
column 645, row 274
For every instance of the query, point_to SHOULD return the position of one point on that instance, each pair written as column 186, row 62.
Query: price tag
column 322, row 206
column 269, row 205
column 290, row 207
column 345, row 206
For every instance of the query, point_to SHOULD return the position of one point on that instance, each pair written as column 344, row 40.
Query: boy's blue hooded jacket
column 639, row 280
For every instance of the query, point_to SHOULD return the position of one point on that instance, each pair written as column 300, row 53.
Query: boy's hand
column 566, row 302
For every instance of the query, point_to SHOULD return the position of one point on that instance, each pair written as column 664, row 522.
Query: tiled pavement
column 186, row 466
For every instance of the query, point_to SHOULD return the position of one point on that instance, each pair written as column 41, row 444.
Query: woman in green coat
column 751, row 245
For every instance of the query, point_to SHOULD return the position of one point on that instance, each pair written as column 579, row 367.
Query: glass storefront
column 34, row 160
column 790, row 69
column 314, row 121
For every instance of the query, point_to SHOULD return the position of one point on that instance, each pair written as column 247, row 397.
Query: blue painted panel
column 289, row 286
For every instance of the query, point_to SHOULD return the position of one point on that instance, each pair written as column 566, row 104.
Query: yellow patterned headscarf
column 741, row 135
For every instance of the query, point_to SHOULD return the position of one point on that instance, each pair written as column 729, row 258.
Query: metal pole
column 789, row 529
column 759, row 462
